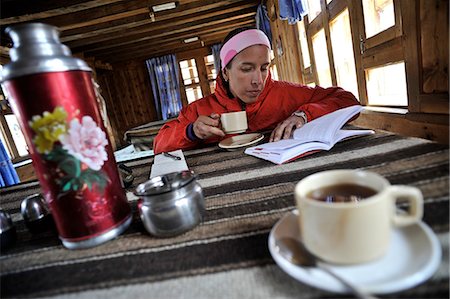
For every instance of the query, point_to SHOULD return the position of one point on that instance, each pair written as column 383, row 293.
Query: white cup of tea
column 234, row 122
column 347, row 216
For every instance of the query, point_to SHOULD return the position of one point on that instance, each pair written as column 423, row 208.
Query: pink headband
column 241, row 41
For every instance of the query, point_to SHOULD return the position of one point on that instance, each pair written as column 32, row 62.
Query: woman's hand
column 207, row 126
column 285, row 128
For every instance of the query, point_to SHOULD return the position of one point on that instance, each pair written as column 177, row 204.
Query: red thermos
column 53, row 97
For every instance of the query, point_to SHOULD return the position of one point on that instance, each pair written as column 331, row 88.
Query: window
column 344, row 60
column 211, row 72
column 378, row 16
column 303, row 44
column 357, row 47
column 191, row 80
column 273, row 66
column 10, row 133
column 321, row 59
column 383, row 90
column 313, row 9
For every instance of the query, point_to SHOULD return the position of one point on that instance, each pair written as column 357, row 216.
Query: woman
column 244, row 83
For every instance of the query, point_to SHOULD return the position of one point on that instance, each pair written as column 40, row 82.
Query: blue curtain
column 164, row 78
column 262, row 21
column 292, row 10
column 8, row 175
column 216, row 54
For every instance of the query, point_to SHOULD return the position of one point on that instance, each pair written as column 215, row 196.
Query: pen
column 171, row 156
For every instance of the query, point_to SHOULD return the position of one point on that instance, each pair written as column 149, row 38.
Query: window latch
column 362, row 44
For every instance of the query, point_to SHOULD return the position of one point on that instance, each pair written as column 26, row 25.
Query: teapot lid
column 165, row 183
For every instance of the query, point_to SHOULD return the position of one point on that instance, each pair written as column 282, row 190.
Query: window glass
column 273, row 66
column 344, row 62
column 191, row 80
column 303, row 44
column 189, row 71
column 17, row 135
column 193, row 94
column 321, row 59
column 211, row 72
column 378, row 16
column 313, row 9
column 386, row 85
column 210, row 69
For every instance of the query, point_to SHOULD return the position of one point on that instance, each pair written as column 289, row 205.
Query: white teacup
column 234, row 122
column 356, row 231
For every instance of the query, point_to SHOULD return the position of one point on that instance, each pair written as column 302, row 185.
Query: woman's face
column 248, row 73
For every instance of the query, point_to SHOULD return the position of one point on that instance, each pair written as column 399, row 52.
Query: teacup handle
column 415, row 199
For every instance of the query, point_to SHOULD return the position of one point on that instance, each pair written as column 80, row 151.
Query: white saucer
column 240, row 141
column 413, row 257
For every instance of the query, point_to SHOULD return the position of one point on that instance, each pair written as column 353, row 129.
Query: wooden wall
column 128, row 96
column 285, row 46
column 129, row 100
column 434, row 45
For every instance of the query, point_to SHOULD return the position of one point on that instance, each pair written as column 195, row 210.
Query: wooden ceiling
column 115, row 31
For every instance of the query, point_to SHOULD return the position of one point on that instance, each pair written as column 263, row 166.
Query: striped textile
column 226, row 256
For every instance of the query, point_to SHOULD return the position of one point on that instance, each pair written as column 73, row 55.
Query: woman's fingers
column 285, row 129
column 207, row 126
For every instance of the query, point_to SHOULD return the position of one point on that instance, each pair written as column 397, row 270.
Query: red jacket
column 277, row 101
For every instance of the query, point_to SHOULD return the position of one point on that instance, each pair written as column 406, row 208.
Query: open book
column 320, row 134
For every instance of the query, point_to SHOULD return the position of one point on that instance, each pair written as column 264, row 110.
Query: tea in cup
column 234, row 122
column 346, row 216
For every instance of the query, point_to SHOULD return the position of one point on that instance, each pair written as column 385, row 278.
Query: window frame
column 10, row 145
column 198, row 55
column 381, row 49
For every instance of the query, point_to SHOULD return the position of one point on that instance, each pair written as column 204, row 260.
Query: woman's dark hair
column 227, row 38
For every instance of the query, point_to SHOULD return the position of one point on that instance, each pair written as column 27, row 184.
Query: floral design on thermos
column 77, row 147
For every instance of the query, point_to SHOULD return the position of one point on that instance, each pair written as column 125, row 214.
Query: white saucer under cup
column 413, row 257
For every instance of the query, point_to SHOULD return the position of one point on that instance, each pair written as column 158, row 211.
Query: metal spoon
column 295, row 252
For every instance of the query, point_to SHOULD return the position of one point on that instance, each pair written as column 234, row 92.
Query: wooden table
column 227, row 255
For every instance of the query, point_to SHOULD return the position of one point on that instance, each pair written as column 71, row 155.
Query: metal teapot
column 170, row 204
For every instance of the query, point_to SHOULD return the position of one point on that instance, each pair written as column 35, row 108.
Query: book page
column 348, row 134
column 324, row 128
column 280, row 156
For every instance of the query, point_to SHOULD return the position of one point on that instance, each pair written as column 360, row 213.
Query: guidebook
column 320, row 134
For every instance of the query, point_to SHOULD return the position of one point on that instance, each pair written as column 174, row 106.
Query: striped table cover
column 226, row 256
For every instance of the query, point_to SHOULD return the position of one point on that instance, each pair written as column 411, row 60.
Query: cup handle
column 415, row 199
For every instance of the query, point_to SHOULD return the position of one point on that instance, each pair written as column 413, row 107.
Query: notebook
column 164, row 164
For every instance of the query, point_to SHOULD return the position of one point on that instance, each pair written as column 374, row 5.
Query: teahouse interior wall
column 126, row 90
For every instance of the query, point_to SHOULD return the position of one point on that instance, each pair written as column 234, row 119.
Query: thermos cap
column 37, row 49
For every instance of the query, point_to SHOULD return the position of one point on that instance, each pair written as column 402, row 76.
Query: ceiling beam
column 36, row 5
column 147, row 34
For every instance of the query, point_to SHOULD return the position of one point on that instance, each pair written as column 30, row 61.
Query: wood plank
column 434, row 103
column 389, row 52
column 182, row 30
column 434, row 42
column 65, row 9
column 182, row 11
column 382, row 37
column 106, row 19
column 154, row 51
column 141, row 29
column 336, row 7
column 409, row 10
column 401, row 125
column 358, row 34
column 326, row 27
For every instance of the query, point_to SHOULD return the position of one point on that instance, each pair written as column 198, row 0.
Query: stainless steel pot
column 170, row 204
